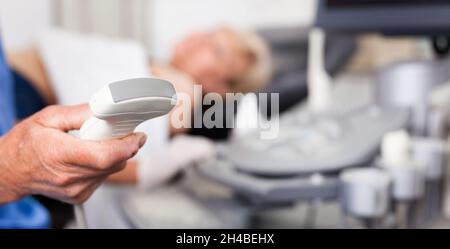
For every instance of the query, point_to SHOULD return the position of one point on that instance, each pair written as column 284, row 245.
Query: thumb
column 64, row 118
column 102, row 155
column 118, row 150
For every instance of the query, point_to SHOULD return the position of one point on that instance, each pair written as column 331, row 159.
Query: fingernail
column 142, row 139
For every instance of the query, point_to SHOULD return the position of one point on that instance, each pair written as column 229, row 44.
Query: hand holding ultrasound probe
column 119, row 107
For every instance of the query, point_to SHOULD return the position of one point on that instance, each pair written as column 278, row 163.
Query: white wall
column 157, row 23
column 22, row 20
column 171, row 19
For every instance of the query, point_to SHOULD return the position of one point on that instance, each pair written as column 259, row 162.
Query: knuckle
column 73, row 193
column 63, row 180
column 103, row 162
column 49, row 110
column 88, row 155
column 46, row 114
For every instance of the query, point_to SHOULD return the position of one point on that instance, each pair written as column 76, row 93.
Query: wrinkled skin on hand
column 38, row 157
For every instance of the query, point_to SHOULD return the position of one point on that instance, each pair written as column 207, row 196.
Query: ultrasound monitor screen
column 375, row 3
column 395, row 17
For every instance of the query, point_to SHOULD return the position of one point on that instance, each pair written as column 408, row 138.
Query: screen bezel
column 434, row 19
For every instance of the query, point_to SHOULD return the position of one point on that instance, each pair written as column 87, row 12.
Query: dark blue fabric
column 25, row 213
column 28, row 100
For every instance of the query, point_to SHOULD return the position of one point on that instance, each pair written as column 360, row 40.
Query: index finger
column 64, row 118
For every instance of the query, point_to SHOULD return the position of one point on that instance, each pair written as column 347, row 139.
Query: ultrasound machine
column 328, row 148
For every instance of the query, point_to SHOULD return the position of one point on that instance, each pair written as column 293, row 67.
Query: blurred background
column 157, row 24
column 363, row 107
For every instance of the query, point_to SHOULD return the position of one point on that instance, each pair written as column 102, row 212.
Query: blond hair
column 260, row 71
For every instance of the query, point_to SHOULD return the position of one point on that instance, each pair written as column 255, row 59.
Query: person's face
column 211, row 58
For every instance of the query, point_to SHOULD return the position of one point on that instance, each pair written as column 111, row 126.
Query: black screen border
column 412, row 19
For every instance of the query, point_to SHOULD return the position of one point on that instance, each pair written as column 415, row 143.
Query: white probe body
column 119, row 107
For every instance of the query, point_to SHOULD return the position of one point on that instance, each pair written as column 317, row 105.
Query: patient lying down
column 222, row 60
